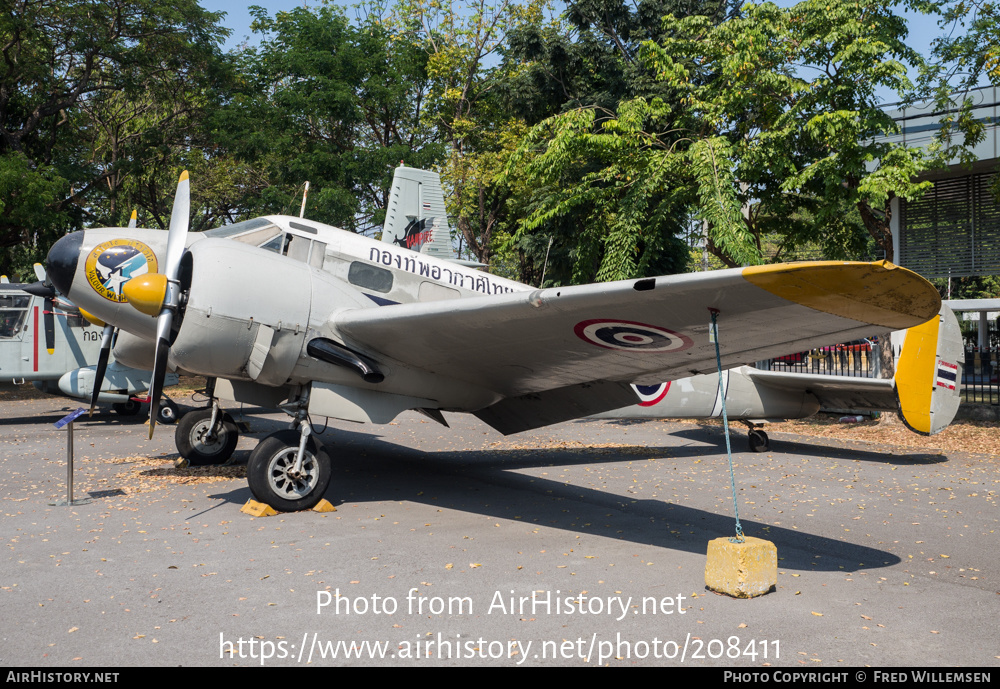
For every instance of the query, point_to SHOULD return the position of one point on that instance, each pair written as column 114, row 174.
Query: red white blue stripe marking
column 947, row 375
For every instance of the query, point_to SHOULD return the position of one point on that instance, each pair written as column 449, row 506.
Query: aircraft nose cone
column 60, row 266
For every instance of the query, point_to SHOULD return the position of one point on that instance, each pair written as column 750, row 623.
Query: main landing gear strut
column 757, row 438
column 289, row 470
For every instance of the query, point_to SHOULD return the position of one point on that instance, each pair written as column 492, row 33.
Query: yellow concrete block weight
column 257, row 509
column 741, row 570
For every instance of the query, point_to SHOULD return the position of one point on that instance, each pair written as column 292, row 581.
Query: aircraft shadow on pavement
column 831, row 448
column 483, row 482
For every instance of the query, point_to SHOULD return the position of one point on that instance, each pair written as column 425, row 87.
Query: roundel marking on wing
column 631, row 336
column 650, row 395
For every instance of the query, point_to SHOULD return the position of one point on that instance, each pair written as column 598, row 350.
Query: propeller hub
column 147, row 293
column 62, row 261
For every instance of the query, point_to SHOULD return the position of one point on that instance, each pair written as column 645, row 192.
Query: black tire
column 168, row 412
column 759, row 441
column 268, row 478
column 130, row 408
column 191, row 438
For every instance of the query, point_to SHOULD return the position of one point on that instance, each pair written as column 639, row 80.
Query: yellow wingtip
column 880, row 293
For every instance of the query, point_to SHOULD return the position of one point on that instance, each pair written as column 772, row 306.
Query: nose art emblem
column 111, row 264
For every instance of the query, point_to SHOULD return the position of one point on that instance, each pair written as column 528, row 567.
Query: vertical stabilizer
column 416, row 218
column 929, row 374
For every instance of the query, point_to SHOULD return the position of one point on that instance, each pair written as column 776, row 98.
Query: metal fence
column 980, row 383
column 852, row 359
column 980, row 376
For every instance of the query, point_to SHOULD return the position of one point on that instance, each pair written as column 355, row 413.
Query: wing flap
column 833, row 392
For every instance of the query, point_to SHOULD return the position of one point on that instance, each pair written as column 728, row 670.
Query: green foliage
column 85, row 86
column 328, row 101
column 982, row 287
column 770, row 139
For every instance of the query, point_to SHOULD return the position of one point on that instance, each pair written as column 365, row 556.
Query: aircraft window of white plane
column 317, row 254
column 239, row 228
column 275, row 244
column 370, row 277
column 431, row 291
column 258, row 237
column 297, row 248
column 13, row 311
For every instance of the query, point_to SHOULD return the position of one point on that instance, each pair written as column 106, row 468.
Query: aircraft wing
column 640, row 331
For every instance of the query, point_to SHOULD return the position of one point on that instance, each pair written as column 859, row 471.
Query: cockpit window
column 237, row 230
column 13, row 312
column 259, row 237
column 275, row 245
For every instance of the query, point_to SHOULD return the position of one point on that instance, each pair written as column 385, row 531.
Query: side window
column 297, row 248
column 13, row 312
column 431, row 291
column 370, row 277
column 317, row 254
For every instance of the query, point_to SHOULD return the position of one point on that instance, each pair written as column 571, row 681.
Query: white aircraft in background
column 46, row 341
column 286, row 312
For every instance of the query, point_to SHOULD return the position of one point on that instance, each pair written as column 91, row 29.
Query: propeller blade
column 39, row 289
column 50, row 325
column 39, row 272
column 102, row 364
column 176, row 241
column 179, row 219
column 156, row 384
column 132, row 220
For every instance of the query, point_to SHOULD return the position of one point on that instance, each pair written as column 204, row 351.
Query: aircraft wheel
column 130, row 408
column 198, row 445
column 270, row 472
column 168, row 412
column 758, row 440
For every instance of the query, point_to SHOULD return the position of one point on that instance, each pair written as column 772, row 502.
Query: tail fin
column 416, row 218
column 929, row 374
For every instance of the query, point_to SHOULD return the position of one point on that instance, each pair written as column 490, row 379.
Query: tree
column 466, row 107
column 332, row 102
column 588, row 56
column 73, row 73
column 774, row 142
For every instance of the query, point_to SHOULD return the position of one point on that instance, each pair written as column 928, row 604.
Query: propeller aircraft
column 288, row 313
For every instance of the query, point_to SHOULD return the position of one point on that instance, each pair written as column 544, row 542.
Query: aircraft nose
column 60, row 266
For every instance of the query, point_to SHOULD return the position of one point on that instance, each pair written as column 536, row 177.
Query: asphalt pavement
column 582, row 544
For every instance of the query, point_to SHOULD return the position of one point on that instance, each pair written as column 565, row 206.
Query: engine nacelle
column 133, row 351
column 241, row 323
